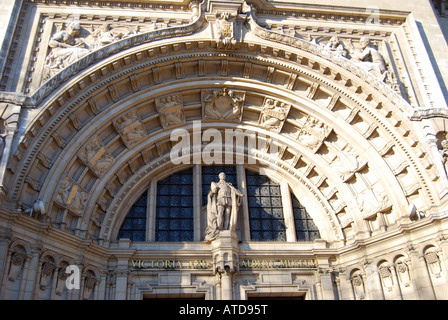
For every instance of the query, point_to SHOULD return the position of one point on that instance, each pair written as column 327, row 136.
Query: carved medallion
column 171, row 110
column 222, row 104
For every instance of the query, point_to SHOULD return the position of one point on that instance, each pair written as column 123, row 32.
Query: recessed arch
column 360, row 117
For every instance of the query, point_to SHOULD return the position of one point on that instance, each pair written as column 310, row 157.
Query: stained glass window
column 174, row 209
column 306, row 230
column 134, row 225
column 265, row 208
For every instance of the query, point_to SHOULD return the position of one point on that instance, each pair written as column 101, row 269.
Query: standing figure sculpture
column 223, row 202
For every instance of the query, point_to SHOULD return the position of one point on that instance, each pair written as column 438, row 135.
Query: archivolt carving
column 97, row 157
column 311, row 134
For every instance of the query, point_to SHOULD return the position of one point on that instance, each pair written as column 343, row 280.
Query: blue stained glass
column 266, row 219
column 306, row 230
column 174, row 213
column 134, row 224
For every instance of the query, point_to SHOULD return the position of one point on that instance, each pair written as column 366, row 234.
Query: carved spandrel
column 71, row 196
column 171, row 110
column 130, row 127
column 97, row 157
column 68, row 44
column 273, row 114
column 222, row 104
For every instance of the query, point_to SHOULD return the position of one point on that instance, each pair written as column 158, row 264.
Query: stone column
column 326, row 283
column 225, row 259
column 420, row 276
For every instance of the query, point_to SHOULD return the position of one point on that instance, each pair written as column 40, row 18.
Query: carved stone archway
column 364, row 168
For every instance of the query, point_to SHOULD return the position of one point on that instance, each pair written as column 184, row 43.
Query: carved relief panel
column 273, row 114
column 130, row 128
column 222, row 104
column 313, row 133
column 71, row 196
column 171, row 110
column 97, row 157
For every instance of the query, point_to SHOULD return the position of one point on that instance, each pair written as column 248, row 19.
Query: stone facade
column 349, row 103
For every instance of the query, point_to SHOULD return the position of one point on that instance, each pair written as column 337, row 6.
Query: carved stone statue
column 347, row 163
column 130, row 127
column 336, row 45
column 223, row 202
column 97, row 157
column 66, row 47
column 368, row 57
column 222, row 104
column 313, row 133
column 71, row 196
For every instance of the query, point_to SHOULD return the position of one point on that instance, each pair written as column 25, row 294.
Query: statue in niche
column 171, row 111
column 222, row 104
column 66, row 47
column 223, row 201
column 403, row 272
column 433, row 262
column 358, row 285
column 273, row 114
column 368, row 57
